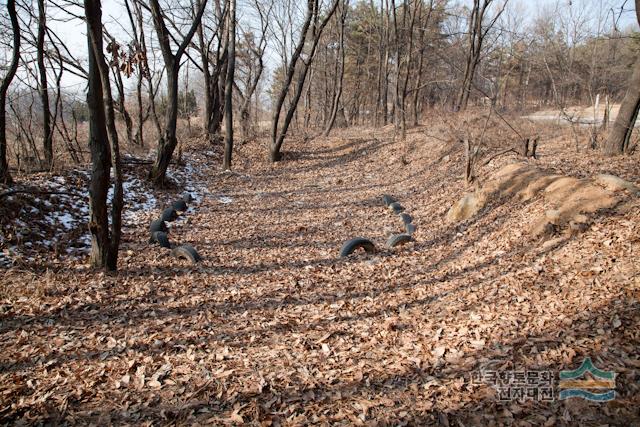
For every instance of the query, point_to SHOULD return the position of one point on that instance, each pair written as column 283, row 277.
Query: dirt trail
column 273, row 328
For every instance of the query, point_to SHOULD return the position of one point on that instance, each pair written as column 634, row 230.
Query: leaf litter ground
column 273, row 329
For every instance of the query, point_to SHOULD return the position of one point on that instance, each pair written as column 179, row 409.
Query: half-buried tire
column 406, row 218
column 410, row 228
column 169, row 215
column 398, row 240
column 396, row 207
column 179, row 205
column 161, row 238
column 187, row 252
column 158, row 225
column 387, row 199
column 359, row 242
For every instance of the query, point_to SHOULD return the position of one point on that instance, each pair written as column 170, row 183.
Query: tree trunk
column 228, row 91
column 168, row 141
column 416, row 90
column 139, row 137
column 5, row 176
column 417, row 9
column 211, row 117
column 102, row 246
column 340, row 71
column 465, row 89
column 122, row 108
column 376, row 119
column 618, row 139
column 385, row 76
column 47, row 134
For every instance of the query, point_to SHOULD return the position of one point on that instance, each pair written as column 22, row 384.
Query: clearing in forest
column 273, row 328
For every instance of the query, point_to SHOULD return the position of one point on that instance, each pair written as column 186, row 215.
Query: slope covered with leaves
column 274, row 329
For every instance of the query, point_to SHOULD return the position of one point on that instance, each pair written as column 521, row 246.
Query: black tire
column 179, row 205
column 161, row 238
column 359, row 242
column 158, row 225
column 406, row 218
column 187, row 197
column 169, row 215
column 398, row 239
column 387, row 199
column 410, row 228
column 396, row 207
column 187, row 252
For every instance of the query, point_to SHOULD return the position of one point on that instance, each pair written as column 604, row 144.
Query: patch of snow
column 225, row 200
column 5, row 261
column 63, row 213
column 65, row 219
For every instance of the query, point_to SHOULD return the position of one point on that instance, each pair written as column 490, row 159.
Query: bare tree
column 136, row 25
column 403, row 56
column 313, row 14
column 476, row 36
column 335, row 105
column 254, row 66
column 213, row 58
column 5, row 176
column 168, row 141
column 291, row 68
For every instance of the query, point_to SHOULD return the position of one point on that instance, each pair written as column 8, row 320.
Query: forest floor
column 273, row 328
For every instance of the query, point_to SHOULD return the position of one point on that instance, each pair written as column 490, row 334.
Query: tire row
column 159, row 232
column 394, row 240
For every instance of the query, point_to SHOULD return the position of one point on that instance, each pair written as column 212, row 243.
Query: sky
column 73, row 32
